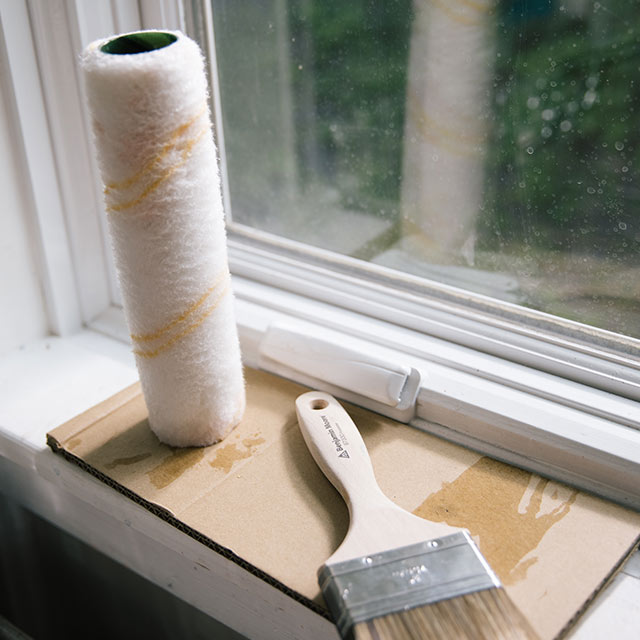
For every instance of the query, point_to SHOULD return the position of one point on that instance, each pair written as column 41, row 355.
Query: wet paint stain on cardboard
column 508, row 511
column 227, row 455
column 174, row 465
column 129, row 460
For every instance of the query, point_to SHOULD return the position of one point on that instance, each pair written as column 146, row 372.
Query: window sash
column 591, row 356
column 531, row 389
column 536, row 340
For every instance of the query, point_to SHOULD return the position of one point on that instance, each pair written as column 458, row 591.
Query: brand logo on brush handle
column 339, row 440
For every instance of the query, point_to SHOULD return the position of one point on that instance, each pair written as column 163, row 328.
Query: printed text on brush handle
column 336, row 445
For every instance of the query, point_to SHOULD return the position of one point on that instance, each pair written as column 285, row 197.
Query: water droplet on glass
column 625, row 169
column 533, row 102
column 622, row 225
column 530, row 150
column 572, row 107
column 546, row 132
column 619, row 145
column 548, row 114
column 589, row 98
column 591, row 190
column 565, row 125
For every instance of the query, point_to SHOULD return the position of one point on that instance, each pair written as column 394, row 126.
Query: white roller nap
column 158, row 163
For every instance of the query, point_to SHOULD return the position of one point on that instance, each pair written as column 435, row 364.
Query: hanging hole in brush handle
column 318, row 404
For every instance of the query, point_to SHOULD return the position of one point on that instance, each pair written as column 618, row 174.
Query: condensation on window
column 492, row 146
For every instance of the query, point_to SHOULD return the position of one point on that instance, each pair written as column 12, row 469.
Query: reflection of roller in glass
column 446, row 127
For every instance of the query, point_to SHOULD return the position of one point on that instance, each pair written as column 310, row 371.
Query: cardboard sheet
column 259, row 499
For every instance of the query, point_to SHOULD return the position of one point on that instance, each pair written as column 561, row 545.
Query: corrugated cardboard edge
column 568, row 628
column 85, row 420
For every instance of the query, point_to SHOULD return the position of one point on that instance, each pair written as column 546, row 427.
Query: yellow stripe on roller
column 455, row 142
column 439, row 128
column 148, row 337
column 150, row 164
column 484, row 7
column 443, row 6
column 163, row 177
column 443, row 144
column 186, row 331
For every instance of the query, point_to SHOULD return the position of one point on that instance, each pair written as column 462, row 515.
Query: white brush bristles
column 158, row 163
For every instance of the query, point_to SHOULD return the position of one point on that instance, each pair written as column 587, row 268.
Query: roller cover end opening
column 138, row 42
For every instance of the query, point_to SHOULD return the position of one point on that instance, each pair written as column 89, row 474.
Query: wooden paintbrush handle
column 337, row 447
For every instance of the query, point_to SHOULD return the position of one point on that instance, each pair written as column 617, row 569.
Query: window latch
column 341, row 361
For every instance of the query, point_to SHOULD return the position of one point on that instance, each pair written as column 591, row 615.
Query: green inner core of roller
column 138, row 42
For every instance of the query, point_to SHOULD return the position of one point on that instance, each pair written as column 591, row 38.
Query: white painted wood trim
column 457, row 317
column 59, row 40
column 99, row 516
column 43, row 41
column 162, row 14
column 57, row 272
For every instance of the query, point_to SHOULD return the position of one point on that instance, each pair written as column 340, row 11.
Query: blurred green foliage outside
column 561, row 170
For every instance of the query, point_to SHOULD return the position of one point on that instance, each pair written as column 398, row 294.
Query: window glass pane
column 489, row 145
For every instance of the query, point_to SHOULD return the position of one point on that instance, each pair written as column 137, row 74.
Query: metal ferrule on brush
column 379, row 584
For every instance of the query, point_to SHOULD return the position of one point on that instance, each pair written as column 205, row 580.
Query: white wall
column 22, row 311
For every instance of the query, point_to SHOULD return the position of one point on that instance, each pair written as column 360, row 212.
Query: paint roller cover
column 148, row 98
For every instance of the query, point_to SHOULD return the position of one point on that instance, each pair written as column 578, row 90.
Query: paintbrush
column 396, row 575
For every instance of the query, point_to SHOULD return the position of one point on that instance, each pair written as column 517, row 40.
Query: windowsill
column 50, row 381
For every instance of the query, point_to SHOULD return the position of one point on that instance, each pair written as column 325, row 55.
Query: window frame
column 539, row 396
